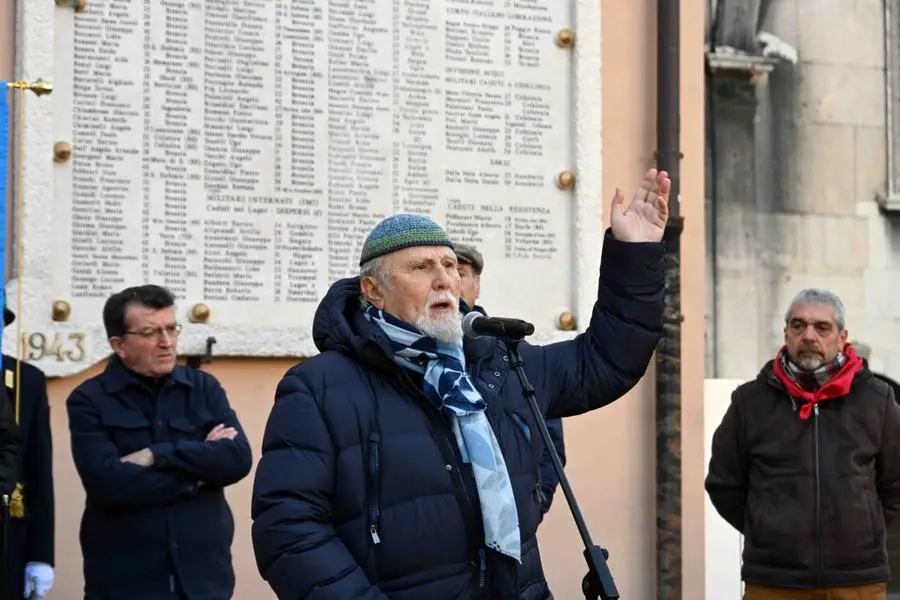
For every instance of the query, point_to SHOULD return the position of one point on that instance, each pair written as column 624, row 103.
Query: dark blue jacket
column 30, row 538
column 148, row 532
column 548, row 477
column 360, row 492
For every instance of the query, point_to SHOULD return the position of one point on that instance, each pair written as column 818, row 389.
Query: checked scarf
column 813, row 380
column 831, row 380
column 447, row 384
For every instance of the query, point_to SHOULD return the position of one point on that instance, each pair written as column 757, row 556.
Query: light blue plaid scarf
column 447, row 384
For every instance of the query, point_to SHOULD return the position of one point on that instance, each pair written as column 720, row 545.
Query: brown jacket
column 813, row 497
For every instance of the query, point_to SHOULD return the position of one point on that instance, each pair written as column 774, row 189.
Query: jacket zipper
column 447, row 443
column 375, row 488
column 817, row 575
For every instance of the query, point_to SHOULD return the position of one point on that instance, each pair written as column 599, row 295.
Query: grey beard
column 446, row 329
column 809, row 364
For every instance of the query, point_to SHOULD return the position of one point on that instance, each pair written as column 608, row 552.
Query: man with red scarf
column 806, row 464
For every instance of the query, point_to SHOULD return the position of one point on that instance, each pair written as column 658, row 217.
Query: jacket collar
column 117, row 377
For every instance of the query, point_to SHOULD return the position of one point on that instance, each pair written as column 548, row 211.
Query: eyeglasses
column 150, row 333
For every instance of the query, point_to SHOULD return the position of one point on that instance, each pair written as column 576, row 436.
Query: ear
column 477, row 287
column 844, row 335
column 118, row 346
column 371, row 289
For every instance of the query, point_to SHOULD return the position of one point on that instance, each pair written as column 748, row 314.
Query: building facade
column 611, row 453
column 802, row 175
column 801, row 185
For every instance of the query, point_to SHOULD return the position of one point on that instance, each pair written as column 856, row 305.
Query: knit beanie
column 402, row 231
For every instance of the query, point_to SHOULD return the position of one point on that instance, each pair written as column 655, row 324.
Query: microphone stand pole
column 598, row 584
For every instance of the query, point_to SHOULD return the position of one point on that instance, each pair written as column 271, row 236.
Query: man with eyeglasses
column 154, row 444
column 806, row 464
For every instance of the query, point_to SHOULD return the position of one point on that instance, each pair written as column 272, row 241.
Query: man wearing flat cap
column 402, row 462
column 470, row 265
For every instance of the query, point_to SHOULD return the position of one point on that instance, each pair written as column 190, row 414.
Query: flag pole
column 39, row 88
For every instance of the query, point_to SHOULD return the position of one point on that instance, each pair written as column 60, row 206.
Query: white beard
column 446, row 328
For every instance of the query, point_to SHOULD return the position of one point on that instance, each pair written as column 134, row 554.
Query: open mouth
column 442, row 305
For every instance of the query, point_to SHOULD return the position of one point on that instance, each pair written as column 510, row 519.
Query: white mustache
column 443, row 297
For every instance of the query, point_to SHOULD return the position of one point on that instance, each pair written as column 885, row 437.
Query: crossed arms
column 161, row 473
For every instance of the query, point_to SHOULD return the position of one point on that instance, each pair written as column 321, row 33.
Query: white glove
column 38, row 579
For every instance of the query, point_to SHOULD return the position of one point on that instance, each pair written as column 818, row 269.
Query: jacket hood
column 339, row 325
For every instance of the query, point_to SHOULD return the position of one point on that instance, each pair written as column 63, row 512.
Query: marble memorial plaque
column 239, row 152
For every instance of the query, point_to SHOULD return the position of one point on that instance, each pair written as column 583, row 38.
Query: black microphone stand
column 598, row 583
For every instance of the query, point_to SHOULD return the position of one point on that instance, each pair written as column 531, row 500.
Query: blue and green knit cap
column 402, row 231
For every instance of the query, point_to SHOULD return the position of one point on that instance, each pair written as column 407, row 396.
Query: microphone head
column 467, row 321
column 527, row 328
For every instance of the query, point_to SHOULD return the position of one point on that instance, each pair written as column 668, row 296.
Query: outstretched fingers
column 662, row 185
column 648, row 183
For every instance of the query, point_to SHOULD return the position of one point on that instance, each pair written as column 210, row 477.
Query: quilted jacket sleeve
column 610, row 357
column 297, row 550
column 549, row 478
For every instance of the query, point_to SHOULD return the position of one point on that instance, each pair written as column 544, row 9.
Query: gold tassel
column 17, row 503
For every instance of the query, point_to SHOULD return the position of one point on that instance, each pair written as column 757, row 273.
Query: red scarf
column 837, row 386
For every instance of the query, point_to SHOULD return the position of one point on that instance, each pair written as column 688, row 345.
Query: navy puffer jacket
column 360, row 492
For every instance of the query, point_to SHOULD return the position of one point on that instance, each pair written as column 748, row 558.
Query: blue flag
column 4, row 174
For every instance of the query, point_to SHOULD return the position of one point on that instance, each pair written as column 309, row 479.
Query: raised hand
column 644, row 220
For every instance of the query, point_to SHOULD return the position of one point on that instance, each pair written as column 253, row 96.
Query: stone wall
column 811, row 218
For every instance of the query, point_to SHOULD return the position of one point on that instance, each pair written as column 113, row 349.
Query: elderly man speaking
column 402, row 462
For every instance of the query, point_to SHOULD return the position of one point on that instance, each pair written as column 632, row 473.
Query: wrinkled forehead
column 812, row 313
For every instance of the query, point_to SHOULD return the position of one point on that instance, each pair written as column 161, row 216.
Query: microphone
column 476, row 325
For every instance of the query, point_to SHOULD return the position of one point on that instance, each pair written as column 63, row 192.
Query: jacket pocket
column 527, row 434
column 373, row 487
column 525, row 429
column 521, row 425
column 876, row 518
column 195, row 428
column 851, row 534
column 130, row 431
column 528, row 431
column 183, row 426
column 780, row 522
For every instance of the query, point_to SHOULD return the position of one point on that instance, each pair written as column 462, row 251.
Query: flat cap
column 469, row 255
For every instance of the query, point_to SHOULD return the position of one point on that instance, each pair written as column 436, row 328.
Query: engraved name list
column 239, row 152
